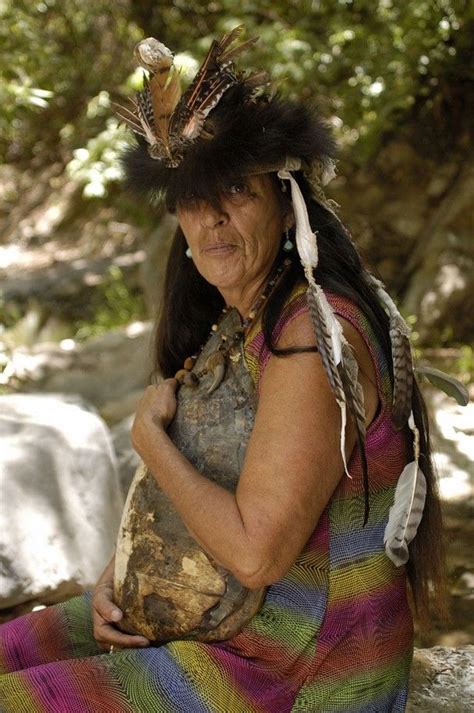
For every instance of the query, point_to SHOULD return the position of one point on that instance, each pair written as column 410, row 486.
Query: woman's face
column 234, row 247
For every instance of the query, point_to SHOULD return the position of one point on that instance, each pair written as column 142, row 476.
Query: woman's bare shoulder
column 299, row 332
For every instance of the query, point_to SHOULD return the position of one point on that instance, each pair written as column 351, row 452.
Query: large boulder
column 104, row 369
column 61, row 497
column 442, row 680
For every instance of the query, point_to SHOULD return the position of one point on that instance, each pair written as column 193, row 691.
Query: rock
column 442, row 680
column 66, row 289
column 117, row 410
column 102, row 369
column 61, row 499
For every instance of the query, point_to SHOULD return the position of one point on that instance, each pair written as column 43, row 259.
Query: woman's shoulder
column 293, row 328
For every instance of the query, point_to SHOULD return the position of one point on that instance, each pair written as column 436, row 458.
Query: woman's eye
column 237, row 189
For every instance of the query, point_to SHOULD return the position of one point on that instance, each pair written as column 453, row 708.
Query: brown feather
column 343, row 377
column 402, row 371
column 401, row 357
column 229, row 56
column 229, row 37
column 349, row 371
column 194, row 88
column 129, row 118
column 164, row 98
column 324, row 342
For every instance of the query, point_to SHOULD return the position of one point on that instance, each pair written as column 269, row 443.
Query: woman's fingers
column 104, row 614
column 107, row 635
column 157, row 407
column 103, row 603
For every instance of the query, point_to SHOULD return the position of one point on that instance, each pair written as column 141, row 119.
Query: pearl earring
column 188, row 252
column 288, row 244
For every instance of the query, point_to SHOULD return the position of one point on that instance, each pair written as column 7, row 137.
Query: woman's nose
column 212, row 217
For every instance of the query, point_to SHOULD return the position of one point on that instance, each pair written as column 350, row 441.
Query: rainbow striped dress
column 335, row 634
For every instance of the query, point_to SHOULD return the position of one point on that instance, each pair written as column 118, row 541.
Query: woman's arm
column 292, row 465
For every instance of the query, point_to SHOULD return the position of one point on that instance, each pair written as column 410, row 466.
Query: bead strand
column 189, row 378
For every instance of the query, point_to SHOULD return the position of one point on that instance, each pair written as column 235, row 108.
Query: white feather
column 406, row 513
column 305, row 238
column 342, row 439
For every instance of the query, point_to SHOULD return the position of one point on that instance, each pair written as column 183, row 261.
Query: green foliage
column 114, row 305
column 97, row 165
column 368, row 63
column 464, row 365
column 55, row 55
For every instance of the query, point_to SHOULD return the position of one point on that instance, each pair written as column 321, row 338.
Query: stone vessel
column 166, row 585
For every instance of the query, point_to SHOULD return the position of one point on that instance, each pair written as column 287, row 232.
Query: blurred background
column 81, row 262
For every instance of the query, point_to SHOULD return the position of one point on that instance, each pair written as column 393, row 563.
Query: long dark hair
column 190, row 305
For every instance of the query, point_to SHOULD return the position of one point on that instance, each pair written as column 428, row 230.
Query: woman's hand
column 105, row 614
column 156, row 409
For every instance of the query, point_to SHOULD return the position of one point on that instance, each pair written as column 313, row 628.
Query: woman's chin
column 224, row 273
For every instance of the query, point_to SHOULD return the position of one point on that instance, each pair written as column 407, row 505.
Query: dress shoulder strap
column 257, row 353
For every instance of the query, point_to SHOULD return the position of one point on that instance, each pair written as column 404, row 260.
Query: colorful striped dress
column 335, row 634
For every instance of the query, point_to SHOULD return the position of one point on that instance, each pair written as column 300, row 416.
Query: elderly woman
column 316, row 520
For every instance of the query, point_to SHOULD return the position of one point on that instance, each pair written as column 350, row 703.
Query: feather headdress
column 169, row 122
column 222, row 127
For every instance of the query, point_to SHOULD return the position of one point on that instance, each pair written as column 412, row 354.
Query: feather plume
column 305, row 238
column 445, row 382
column 352, row 388
column 229, row 56
column 129, row 118
column 336, row 354
column 165, row 119
column 407, row 510
column 405, row 514
column 402, row 370
column 342, row 370
column 230, row 37
column 328, row 337
column 401, row 357
column 349, row 373
column 165, row 96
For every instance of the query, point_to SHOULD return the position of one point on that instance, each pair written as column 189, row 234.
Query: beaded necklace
column 229, row 346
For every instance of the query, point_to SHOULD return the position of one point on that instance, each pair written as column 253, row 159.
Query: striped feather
column 401, row 357
column 402, row 370
column 328, row 337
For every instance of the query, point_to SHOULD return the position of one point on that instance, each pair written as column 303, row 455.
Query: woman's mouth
column 219, row 249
